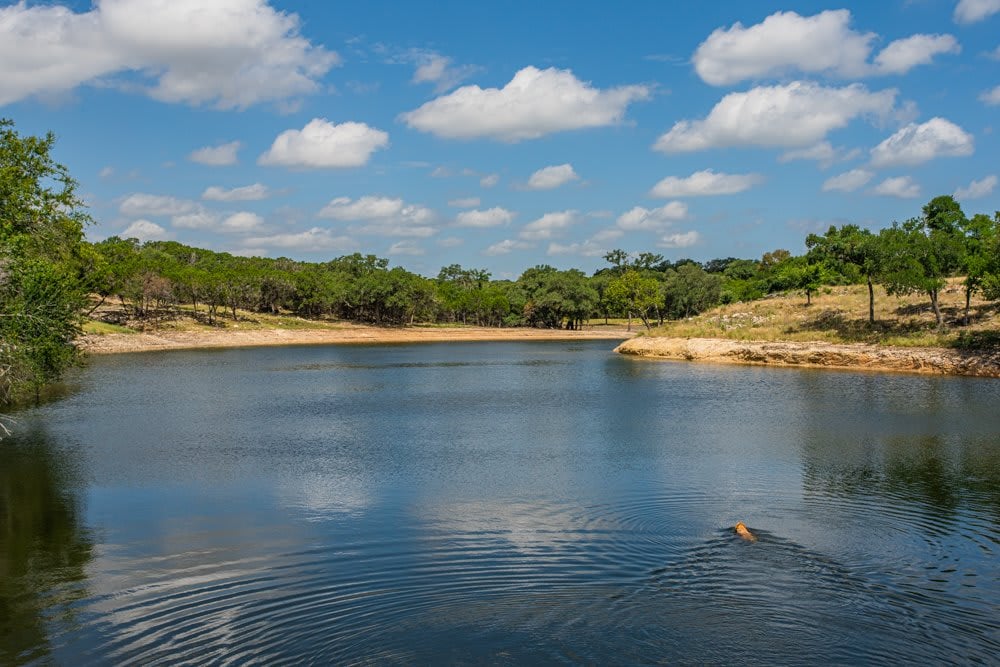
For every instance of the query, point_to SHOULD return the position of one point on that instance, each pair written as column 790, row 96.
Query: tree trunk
column 808, row 297
column 629, row 321
column 871, row 301
column 934, row 306
column 99, row 304
column 968, row 298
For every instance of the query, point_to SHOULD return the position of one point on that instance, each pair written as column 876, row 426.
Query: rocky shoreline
column 937, row 361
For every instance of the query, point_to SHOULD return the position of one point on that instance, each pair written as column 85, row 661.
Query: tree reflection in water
column 43, row 547
column 939, row 473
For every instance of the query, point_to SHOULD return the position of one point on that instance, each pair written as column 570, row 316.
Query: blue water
column 498, row 503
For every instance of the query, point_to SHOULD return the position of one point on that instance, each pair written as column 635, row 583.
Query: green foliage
column 553, row 297
column 920, row 254
column 41, row 256
column 635, row 294
column 690, row 290
column 799, row 274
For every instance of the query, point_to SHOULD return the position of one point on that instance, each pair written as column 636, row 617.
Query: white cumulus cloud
column 902, row 55
column 216, row 156
column 899, row 186
column 144, row 230
column 316, row 239
column 782, row 42
column 849, row 181
column 230, row 54
column 705, row 183
column 405, row 248
column 506, row 246
column 322, row 144
column 492, row 217
column 382, row 216
column 973, row 11
column 787, row 42
column 254, row 192
column 977, row 189
column 465, row 202
column 915, row 144
column 824, row 153
column 679, row 240
column 588, row 248
column 651, row 220
column 549, row 178
column 793, row 115
column 242, row 222
column 374, row 208
column 201, row 219
column 534, row 103
column 489, row 180
column 991, row 97
column 440, row 71
column 142, row 204
column 549, row 225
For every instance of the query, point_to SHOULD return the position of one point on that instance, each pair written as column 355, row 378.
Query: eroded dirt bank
column 348, row 334
column 938, row 361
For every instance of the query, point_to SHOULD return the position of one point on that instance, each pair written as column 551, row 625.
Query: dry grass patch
column 840, row 315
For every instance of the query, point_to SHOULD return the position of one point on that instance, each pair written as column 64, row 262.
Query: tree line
column 51, row 277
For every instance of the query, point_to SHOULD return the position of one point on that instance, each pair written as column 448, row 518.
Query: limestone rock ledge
column 939, row 361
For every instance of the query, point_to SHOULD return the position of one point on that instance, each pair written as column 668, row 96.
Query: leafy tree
column 648, row 261
column 849, row 246
column 618, row 259
column 690, row 290
column 920, row 254
column 991, row 277
column 800, row 274
column 719, row 265
column 41, row 240
column 552, row 296
column 740, row 281
column 635, row 294
column 980, row 236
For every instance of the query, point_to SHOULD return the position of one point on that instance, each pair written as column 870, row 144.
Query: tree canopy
column 41, row 245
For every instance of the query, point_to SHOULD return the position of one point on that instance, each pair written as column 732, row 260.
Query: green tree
column 41, row 240
column 634, row 294
column 800, row 274
column 920, row 254
column 690, row 290
column 991, row 277
column 849, row 246
column 980, row 236
column 618, row 259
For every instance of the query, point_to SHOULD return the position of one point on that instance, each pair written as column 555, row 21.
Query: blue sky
column 505, row 135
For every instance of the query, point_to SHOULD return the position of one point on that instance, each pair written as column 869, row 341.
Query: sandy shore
column 346, row 334
column 939, row 361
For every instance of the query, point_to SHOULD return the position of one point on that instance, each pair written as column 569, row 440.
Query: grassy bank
column 840, row 315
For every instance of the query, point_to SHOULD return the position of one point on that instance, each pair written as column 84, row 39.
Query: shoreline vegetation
column 932, row 281
column 831, row 332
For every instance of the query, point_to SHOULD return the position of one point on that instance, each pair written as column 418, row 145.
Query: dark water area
column 498, row 503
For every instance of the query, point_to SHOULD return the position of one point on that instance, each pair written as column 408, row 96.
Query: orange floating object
column 744, row 532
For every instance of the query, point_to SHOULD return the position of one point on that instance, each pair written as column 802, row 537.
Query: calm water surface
column 498, row 503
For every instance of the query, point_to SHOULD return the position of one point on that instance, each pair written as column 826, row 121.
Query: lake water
column 498, row 503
